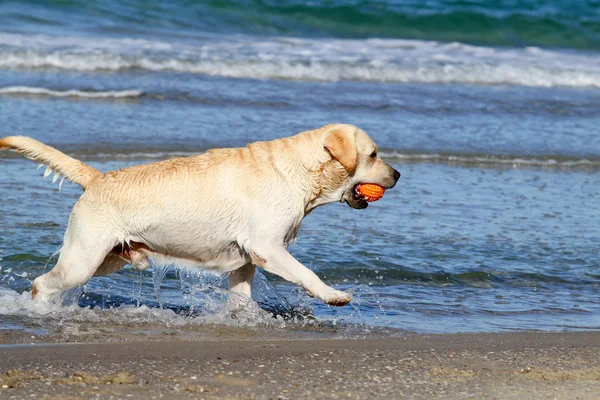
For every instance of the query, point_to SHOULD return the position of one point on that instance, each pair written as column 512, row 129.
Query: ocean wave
column 40, row 91
column 375, row 60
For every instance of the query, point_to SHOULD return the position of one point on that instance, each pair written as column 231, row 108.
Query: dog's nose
column 396, row 175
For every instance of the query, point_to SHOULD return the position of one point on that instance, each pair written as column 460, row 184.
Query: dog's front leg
column 240, row 284
column 278, row 261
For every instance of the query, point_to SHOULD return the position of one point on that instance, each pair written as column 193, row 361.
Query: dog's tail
column 72, row 169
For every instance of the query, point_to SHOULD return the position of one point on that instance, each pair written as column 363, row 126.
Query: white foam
column 381, row 60
column 40, row 91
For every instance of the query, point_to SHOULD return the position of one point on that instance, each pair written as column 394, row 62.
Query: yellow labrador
column 227, row 209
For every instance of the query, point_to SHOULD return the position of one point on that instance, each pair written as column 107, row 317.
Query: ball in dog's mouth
column 360, row 195
column 369, row 191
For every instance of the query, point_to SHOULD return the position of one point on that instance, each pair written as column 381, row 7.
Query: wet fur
column 227, row 209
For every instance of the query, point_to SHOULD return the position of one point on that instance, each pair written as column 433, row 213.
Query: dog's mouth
column 354, row 199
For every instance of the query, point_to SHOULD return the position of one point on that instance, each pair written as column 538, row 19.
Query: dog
column 228, row 209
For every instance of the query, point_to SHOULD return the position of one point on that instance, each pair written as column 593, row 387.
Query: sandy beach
column 487, row 246
column 498, row 365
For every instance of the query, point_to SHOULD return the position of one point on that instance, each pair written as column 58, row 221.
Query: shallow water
column 455, row 249
column 493, row 225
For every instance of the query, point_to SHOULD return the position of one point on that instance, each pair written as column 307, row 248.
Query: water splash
column 158, row 275
column 204, row 291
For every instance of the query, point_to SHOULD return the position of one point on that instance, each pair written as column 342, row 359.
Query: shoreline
column 562, row 365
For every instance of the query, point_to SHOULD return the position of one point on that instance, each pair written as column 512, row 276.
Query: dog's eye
column 374, row 154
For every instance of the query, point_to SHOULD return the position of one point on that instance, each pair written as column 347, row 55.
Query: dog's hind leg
column 86, row 245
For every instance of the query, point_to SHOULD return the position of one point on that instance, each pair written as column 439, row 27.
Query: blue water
column 549, row 23
column 489, row 109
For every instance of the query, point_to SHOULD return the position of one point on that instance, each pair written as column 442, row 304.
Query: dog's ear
column 341, row 144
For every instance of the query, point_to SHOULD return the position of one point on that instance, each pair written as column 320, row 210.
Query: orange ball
column 370, row 191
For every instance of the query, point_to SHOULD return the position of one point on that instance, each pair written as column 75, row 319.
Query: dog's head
column 353, row 161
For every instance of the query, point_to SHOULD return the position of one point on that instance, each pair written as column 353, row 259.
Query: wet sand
column 500, row 365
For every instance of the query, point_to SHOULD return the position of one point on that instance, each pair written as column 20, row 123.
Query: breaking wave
column 374, row 60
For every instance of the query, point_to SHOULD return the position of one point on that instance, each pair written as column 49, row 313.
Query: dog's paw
column 338, row 298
